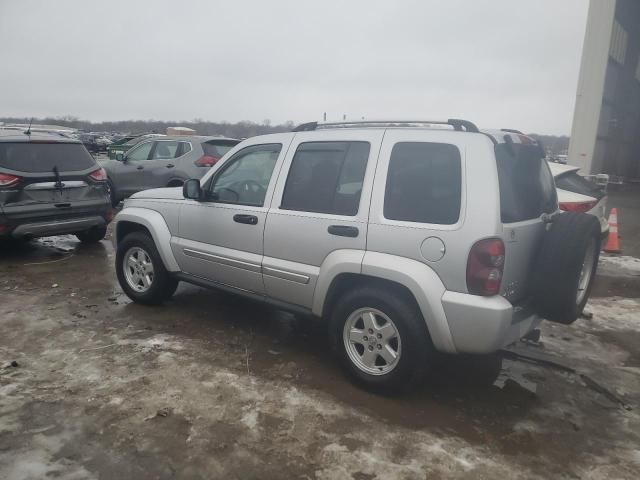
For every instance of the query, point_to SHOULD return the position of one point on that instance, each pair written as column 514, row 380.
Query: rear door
column 160, row 169
column 320, row 206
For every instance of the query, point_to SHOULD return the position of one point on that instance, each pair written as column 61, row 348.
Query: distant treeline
column 244, row 129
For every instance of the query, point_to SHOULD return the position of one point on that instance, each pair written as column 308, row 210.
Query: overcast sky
column 499, row 63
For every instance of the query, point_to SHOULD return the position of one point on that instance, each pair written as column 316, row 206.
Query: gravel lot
column 213, row 386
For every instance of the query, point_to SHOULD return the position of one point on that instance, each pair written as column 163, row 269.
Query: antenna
column 28, row 132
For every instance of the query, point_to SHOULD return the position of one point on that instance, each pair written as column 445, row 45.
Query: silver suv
column 407, row 237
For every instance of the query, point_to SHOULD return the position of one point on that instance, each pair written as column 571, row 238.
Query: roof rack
column 457, row 124
column 511, row 130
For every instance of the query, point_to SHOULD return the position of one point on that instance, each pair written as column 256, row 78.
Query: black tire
column 175, row 183
column 163, row 285
column 417, row 351
column 112, row 194
column 557, row 272
column 93, row 235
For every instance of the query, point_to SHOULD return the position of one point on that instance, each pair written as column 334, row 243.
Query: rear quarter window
column 526, row 184
column 30, row 157
column 424, row 183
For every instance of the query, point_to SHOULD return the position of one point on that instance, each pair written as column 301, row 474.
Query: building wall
column 591, row 83
column 606, row 128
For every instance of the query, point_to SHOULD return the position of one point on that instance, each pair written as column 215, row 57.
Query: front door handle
column 248, row 219
column 343, row 231
column 140, row 168
column 170, row 165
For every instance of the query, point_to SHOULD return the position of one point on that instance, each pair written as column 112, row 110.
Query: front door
column 221, row 237
column 128, row 175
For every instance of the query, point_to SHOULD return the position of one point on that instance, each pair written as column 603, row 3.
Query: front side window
column 244, row 179
column 424, row 183
column 326, row 177
column 165, row 151
column 141, row 152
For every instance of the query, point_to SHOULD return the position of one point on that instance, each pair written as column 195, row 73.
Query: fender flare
column 156, row 225
column 421, row 281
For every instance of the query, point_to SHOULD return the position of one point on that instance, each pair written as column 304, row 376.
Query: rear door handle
column 248, row 219
column 343, row 231
column 140, row 168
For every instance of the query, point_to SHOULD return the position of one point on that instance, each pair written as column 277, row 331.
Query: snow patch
column 619, row 265
column 614, row 313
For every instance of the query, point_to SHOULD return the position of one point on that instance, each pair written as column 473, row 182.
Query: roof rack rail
column 457, row 124
column 511, row 130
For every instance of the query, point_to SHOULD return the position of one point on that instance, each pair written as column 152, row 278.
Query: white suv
column 407, row 237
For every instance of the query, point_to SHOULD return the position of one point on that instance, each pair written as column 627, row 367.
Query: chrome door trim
column 286, row 275
column 52, row 185
column 230, row 262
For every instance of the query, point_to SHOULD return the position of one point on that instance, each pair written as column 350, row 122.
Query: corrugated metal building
column 606, row 127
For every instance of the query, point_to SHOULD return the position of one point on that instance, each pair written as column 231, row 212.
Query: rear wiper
column 59, row 185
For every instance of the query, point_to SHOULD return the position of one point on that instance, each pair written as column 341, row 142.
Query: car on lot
column 51, row 185
column 407, row 238
column 165, row 161
column 126, row 143
column 578, row 194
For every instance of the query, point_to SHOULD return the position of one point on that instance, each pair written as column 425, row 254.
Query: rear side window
column 42, row 157
column 217, row 149
column 526, row 184
column 424, row 183
column 326, row 177
column 575, row 183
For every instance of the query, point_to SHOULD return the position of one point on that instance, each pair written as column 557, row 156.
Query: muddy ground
column 212, row 386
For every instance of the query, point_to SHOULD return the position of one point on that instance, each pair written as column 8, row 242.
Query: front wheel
column 381, row 339
column 141, row 272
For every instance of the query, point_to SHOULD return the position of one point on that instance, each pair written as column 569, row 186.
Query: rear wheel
column 381, row 339
column 141, row 272
column 93, row 235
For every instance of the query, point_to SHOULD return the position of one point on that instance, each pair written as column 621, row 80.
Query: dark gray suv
column 165, row 161
column 51, row 185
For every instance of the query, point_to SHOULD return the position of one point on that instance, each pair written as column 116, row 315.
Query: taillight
column 98, row 175
column 108, row 216
column 578, row 207
column 7, row 180
column 206, row 161
column 485, row 266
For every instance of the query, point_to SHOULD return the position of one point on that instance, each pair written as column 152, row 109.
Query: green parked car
column 126, row 143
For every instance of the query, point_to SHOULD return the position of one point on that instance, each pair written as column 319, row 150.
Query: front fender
column 156, row 225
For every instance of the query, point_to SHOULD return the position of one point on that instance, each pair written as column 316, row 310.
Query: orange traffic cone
column 613, row 242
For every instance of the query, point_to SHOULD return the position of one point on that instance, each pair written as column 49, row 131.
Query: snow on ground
column 619, row 265
column 615, row 313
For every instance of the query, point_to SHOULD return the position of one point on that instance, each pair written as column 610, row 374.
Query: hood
column 173, row 193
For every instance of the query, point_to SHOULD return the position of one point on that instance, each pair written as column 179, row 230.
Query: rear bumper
column 57, row 227
column 39, row 220
column 485, row 324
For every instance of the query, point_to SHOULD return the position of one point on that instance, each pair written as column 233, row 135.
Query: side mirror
column 120, row 157
column 191, row 189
